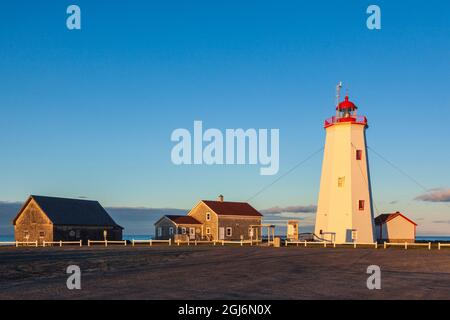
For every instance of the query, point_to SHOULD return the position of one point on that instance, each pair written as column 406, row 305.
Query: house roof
column 62, row 211
column 384, row 218
column 232, row 208
column 183, row 219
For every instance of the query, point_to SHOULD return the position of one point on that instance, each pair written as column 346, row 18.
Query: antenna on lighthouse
column 338, row 93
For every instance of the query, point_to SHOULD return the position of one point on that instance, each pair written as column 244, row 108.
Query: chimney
column 220, row 198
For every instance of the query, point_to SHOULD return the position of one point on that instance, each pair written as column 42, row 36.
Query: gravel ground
column 207, row 272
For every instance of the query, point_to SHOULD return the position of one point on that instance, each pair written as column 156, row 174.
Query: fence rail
column 61, row 243
column 106, row 242
column 217, row 242
column 406, row 245
column 306, row 243
column 334, row 244
column 150, row 242
column 443, row 245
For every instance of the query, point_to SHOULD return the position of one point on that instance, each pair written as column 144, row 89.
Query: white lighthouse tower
column 344, row 211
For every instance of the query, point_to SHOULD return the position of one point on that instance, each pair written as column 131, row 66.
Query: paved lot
column 223, row 273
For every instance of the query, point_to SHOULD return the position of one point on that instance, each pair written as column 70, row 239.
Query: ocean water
column 433, row 238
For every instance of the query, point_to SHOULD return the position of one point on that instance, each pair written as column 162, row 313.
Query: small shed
column 292, row 230
column 59, row 219
column 395, row 227
column 178, row 228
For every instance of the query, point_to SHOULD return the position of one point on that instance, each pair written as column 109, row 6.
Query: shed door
column 192, row 233
column 221, row 233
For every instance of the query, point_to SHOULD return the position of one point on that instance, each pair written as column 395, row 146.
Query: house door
column 221, row 233
column 192, row 233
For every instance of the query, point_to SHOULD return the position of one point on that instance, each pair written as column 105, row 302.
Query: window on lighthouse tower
column 361, row 205
column 358, row 154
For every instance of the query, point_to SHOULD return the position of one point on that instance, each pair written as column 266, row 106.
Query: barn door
column 221, row 233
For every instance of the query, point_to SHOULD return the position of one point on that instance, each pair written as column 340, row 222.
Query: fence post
column 439, row 246
column 305, row 243
column 384, row 245
column 334, row 244
column 89, row 243
column 406, row 245
column 170, row 241
column 178, row 242
column 376, row 245
column 125, row 242
column 241, row 243
column 324, row 244
column 43, row 243
column 60, row 243
column 151, row 242
column 354, row 245
column 223, row 242
column 37, row 244
column 429, row 245
column 106, row 243
column 81, row 243
column 17, row 244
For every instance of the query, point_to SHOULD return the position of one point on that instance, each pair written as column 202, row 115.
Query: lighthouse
column 344, row 210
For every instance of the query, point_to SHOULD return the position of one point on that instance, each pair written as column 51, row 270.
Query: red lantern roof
column 346, row 104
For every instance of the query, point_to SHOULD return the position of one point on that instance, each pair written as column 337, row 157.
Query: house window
column 183, row 230
column 229, row 232
column 208, row 231
column 159, row 231
column 208, row 216
column 361, row 205
column 41, row 234
column 171, row 231
column 341, row 182
column 358, row 154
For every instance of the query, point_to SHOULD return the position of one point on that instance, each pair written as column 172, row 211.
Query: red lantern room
column 346, row 108
column 346, row 112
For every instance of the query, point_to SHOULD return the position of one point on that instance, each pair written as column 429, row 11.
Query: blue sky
column 90, row 112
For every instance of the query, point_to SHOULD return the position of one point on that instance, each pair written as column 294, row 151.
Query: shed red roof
column 232, row 208
column 184, row 220
column 384, row 218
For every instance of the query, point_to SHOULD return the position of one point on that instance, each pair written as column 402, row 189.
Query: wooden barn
column 395, row 227
column 58, row 219
column 213, row 220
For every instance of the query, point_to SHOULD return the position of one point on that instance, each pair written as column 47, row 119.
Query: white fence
column 217, row 242
column 306, row 243
column 406, row 245
column 107, row 242
column 150, row 242
column 330, row 244
column 169, row 242
column 61, row 243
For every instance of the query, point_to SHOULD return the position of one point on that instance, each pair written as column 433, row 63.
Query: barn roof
column 183, row 219
column 62, row 211
column 384, row 218
column 232, row 208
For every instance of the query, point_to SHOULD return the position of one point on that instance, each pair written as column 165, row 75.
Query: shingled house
column 212, row 220
column 54, row 219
